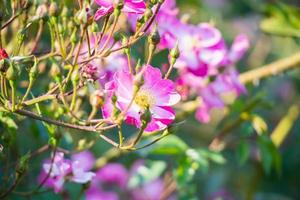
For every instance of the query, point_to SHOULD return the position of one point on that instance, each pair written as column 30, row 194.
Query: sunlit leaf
column 283, row 20
column 285, row 125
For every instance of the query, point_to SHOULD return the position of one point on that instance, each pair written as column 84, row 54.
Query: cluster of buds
column 89, row 72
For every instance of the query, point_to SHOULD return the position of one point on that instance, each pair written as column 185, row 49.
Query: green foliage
column 147, row 173
column 269, row 154
column 282, row 20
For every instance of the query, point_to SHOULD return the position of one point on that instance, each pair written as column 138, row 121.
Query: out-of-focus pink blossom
column 130, row 6
column 60, row 168
column 57, row 172
column 97, row 194
column 156, row 94
column 86, row 159
column 152, row 190
column 101, row 69
column 113, row 173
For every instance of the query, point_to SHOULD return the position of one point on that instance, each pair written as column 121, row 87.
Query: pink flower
column 79, row 175
column 104, row 68
column 65, row 169
column 86, row 159
column 112, row 173
column 150, row 191
column 98, row 194
column 130, row 6
column 60, row 168
column 156, row 93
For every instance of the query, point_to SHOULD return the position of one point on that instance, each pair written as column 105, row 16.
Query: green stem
column 13, row 95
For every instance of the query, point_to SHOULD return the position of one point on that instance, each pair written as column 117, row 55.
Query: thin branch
column 271, row 69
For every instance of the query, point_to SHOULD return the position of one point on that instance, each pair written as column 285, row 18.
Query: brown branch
column 271, row 69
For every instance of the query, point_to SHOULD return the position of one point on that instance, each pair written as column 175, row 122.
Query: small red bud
column 3, row 54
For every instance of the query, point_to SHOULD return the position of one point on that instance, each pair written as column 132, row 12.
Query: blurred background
column 251, row 166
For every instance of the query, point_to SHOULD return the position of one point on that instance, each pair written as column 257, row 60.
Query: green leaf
column 270, row 157
column 171, row 145
column 243, row 152
column 283, row 20
column 8, row 121
column 213, row 156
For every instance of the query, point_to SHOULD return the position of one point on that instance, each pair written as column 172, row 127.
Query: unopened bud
column 95, row 27
column 146, row 117
column 148, row 14
column 53, row 9
column 117, row 36
column 13, row 72
column 21, row 36
column 60, row 29
column 3, row 54
column 64, row 12
column 52, row 142
column 114, row 99
column 175, row 53
column 138, row 80
column 154, row 37
column 97, row 99
column 153, row 2
column 120, row 4
column 81, row 17
column 75, row 76
column 90, row 72
column 41, row 11
column 34, row 70
column 4, row 64
column 74, row 37
column 55, row 70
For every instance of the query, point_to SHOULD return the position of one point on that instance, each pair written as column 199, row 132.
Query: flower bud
column 34, row 70
column 90, row 72
column 3, row 54
column 154, row 37
column 120, row 4
column 74, row 37
column 41, row 11
column 153, row 2
column 13, row 72
column 21, row 36
column 53, row 9
column 175, row 53
column 71, row 25
column 52, row 142
column 65, row 12
column 4, row 64
column 146, row 117
column 117, row 36
column 95, row 27
column 81, row 17
column 55, row 70
column 75, row 76
column 148, row 14
column 114, row 98
column 60, row 29
column 97, row 99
